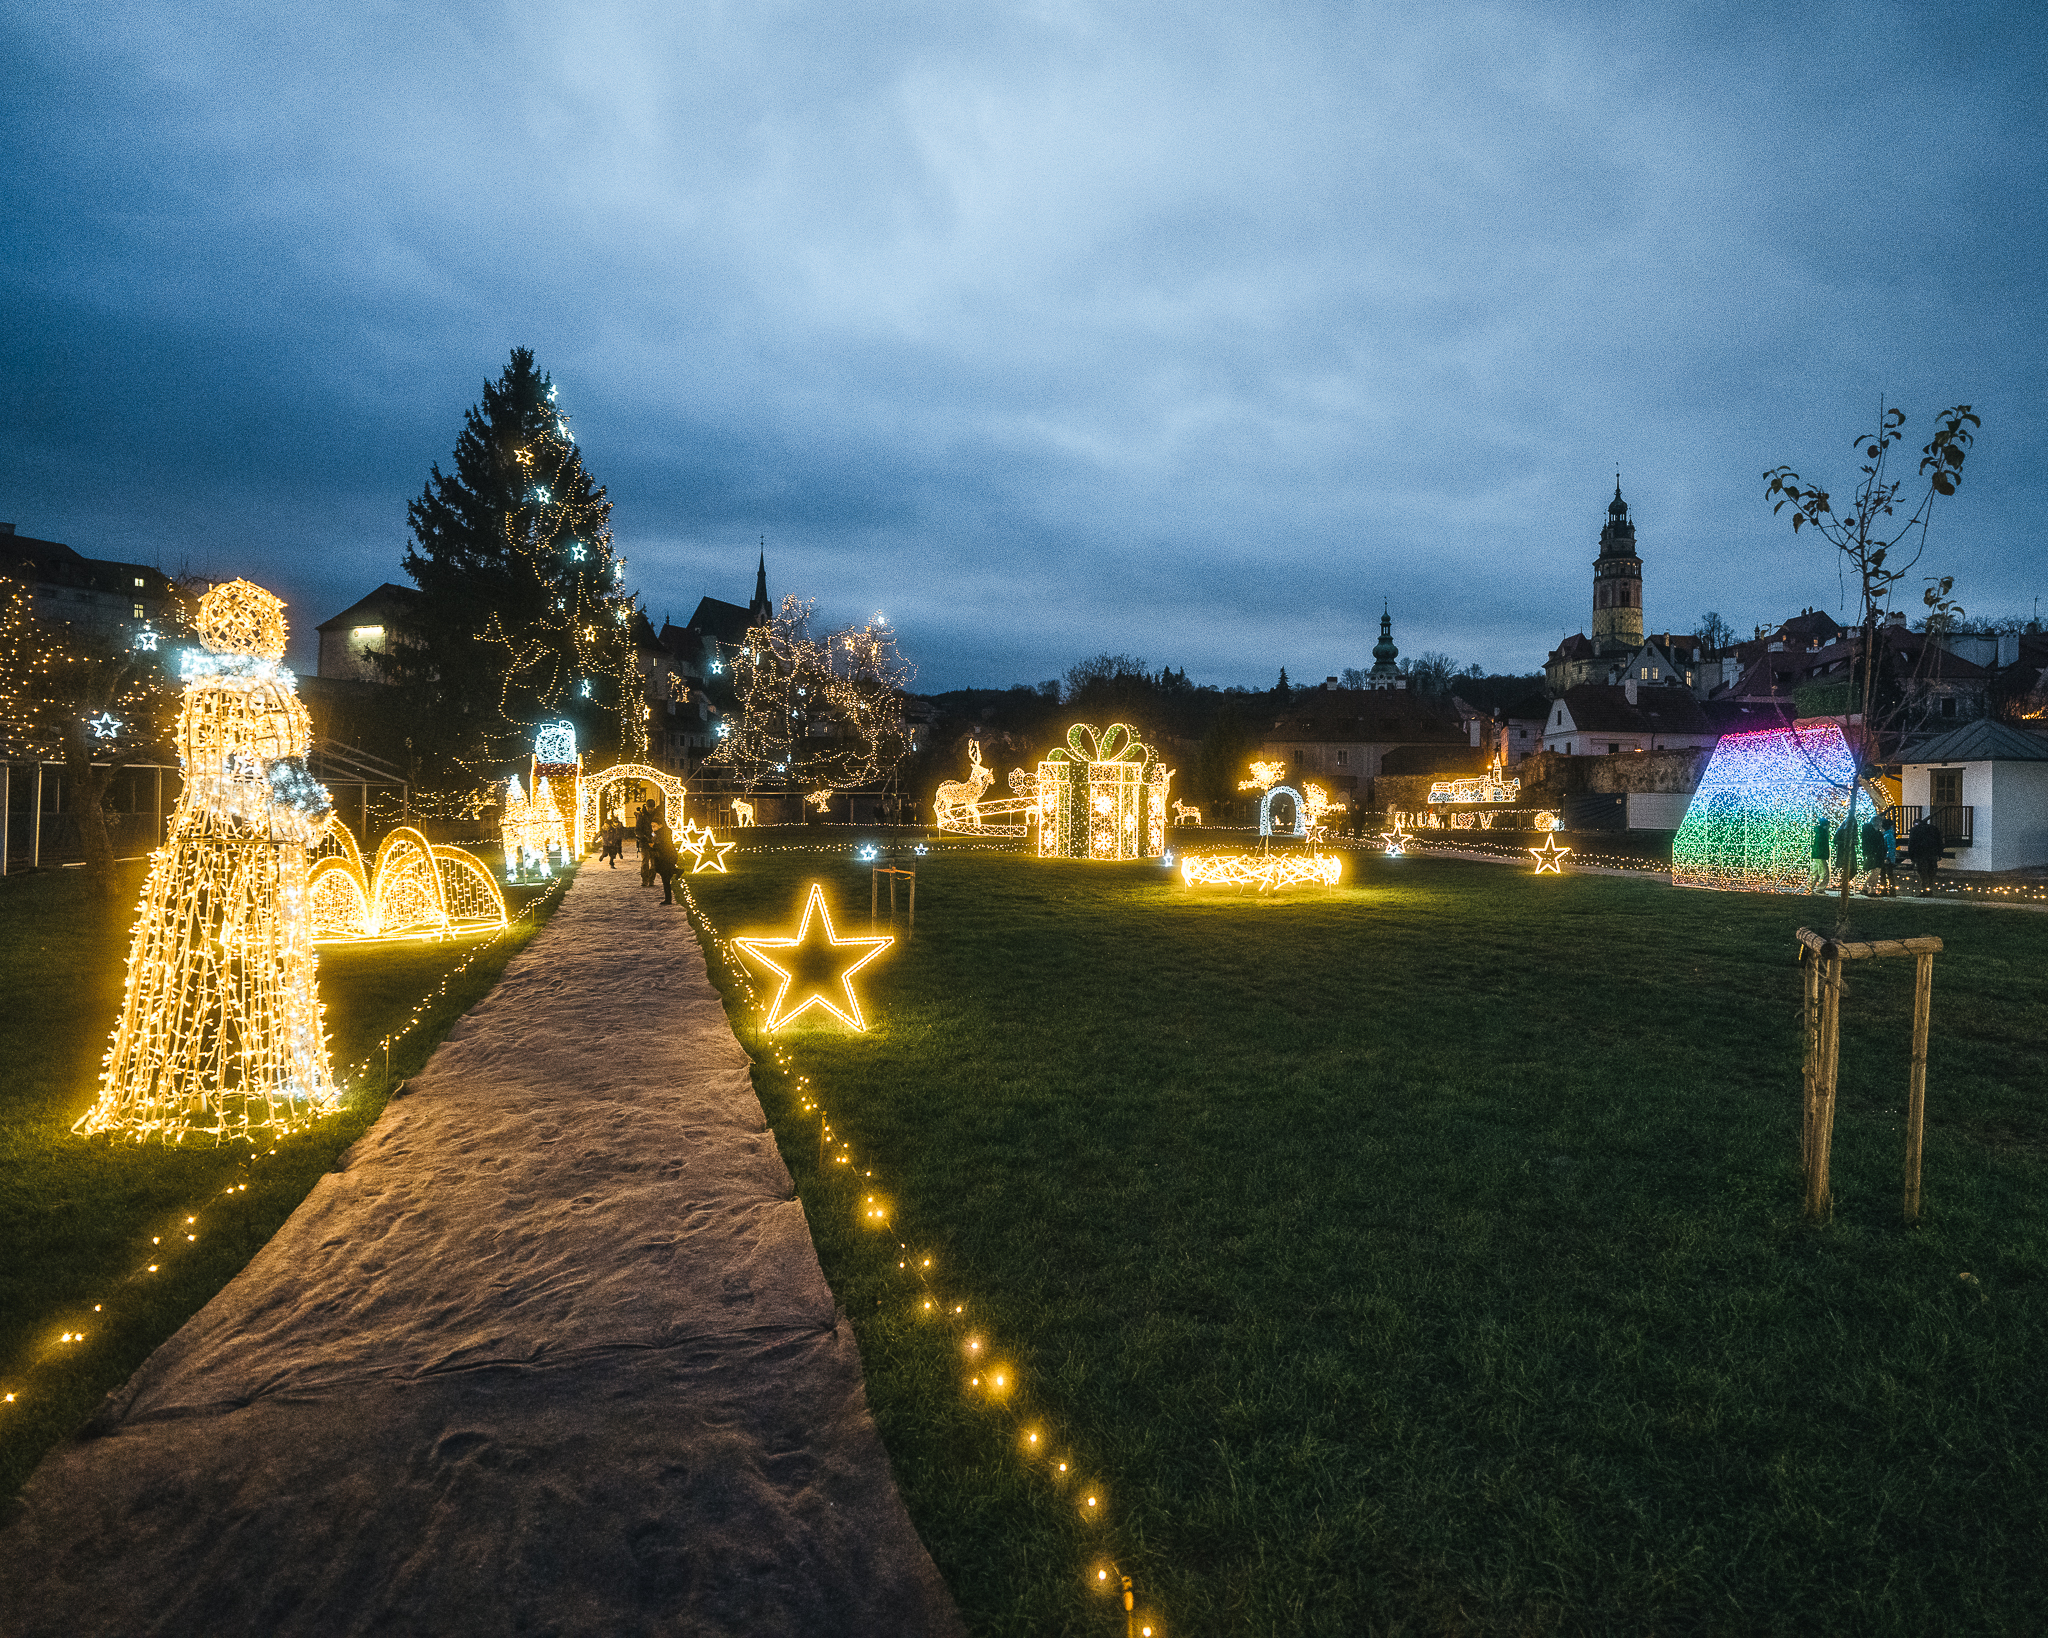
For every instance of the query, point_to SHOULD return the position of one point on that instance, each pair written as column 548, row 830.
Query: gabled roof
column 1434, row 759
column 1981, row 741
column 389, row 600
column 727, row 622
column 53, row 563
column 1603, row 708
column 1575, row 647
column 1366, row 716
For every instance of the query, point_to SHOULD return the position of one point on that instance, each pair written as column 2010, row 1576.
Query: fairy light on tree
column 815, row 715
column 521, row 615
column 220, row 1030
column 94, row 702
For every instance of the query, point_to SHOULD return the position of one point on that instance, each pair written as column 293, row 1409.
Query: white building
column 1987, row 785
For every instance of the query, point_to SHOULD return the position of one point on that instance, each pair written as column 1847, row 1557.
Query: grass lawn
column 1425, row 1256
column 81, row 1219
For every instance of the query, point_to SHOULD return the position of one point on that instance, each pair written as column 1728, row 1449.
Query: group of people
column 1836, row 849
column 653, row 840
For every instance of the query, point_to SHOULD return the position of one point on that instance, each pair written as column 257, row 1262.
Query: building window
column 1646, row 673
column 1343, row 757
column 1948, row 705
column 1613, row 749
column 138, row 611
column 1948, row 787
column 138, row 582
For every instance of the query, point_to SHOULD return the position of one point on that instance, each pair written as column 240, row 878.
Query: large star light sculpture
column 1549, row 856
column 706, row 851
column 815, row 968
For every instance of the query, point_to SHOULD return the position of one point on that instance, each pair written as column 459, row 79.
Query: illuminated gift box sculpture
column 418, row 888
column 1102, row 796
column 1750, row 824
column 220, row 1031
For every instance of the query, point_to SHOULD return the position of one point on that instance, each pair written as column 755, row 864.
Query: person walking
column 643, row 840
column 613, row 842
column 1817, row 878
column 1873, row 857
column 662, row 857
column 1924, row 848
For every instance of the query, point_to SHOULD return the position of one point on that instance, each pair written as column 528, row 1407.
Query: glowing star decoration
column 815, row 967
column 868, row 854
column 706, row 851
column 1395, row 840
column 146, row 641
column 1750, row 824
column 104, row 726
column 1268, row 872
column 1549, row 856
column 220, row 1029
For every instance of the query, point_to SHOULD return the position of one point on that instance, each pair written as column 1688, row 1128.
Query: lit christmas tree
column 522, row 616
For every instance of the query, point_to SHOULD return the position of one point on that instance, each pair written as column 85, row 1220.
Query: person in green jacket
column 1817, row 878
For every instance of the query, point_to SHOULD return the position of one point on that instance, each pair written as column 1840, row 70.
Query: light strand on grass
column 988, row 1378
column 79, row 1331
column 1268, row 872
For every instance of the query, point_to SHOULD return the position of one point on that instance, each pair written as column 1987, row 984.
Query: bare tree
column 1713, row 632
column 1881, row 546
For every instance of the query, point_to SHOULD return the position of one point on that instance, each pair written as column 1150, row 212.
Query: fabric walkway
column 549, row 1353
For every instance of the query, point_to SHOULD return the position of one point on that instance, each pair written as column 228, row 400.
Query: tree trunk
column 88, row 786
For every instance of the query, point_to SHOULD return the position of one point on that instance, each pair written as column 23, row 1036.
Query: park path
column 550, row 1352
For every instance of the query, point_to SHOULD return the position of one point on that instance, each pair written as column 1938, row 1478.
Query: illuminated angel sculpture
column 220, row 1032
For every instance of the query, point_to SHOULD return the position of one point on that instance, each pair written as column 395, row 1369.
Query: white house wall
column 2019, row 793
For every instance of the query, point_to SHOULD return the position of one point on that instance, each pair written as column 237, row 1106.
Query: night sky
column 1187, row 332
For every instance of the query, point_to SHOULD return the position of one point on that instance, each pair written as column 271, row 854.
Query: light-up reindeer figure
column 220, row 1031
column 958, row 801
column 742, row 812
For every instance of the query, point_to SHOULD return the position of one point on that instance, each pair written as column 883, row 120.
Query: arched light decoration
column 673, row 794
column 1750, row 824
column 815, row 967
column 1268, row 872
column 1266, row 810
column 220, row 1030
column 417, row 889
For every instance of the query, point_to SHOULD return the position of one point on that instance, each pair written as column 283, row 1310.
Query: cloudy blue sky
column 1191, row 332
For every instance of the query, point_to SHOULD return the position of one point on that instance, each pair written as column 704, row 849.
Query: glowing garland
column 1750, row 824
column 190, row 1229
column 813, row 945
column 1490, row 787
column 220, row 1029
column 1268, row 872
column 986, row 1377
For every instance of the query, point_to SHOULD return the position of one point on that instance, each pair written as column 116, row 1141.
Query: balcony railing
column 1957, row 821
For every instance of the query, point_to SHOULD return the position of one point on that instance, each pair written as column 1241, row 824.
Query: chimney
column 6, row 528
column 1329, row 682
column 1628, row 689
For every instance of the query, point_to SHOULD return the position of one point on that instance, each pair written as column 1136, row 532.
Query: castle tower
column 1617, row 582
column 1384, row 653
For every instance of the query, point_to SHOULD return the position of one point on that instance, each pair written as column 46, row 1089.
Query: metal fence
column 1956, row 819
column 39, row 827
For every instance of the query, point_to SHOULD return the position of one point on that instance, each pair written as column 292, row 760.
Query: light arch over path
column 1266, row 811
column 595, row 785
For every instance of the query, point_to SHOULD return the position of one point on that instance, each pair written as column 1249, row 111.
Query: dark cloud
column 1049, row 329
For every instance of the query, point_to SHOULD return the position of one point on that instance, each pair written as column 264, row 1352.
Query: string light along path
column 474, row 1382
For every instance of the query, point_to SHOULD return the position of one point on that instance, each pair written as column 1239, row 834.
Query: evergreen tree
column 520, row 618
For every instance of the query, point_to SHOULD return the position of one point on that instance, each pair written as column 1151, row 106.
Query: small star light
column 1166, row 858
column 868, row 854
column 577, row 553
column 104, row 726
column 145, row 641
column 586, row 688
column 816, row 966
column 1394, row 838
column 920, row 850
column 1549, row 855
column 717, row 668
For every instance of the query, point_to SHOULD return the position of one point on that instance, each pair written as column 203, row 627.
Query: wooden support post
column 1809, row 1057
column 6, row 809
column 35, row 842
column 1819, row 1198
column 1916, row 1083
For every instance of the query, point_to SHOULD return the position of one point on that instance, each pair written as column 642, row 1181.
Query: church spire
column 760, row 609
